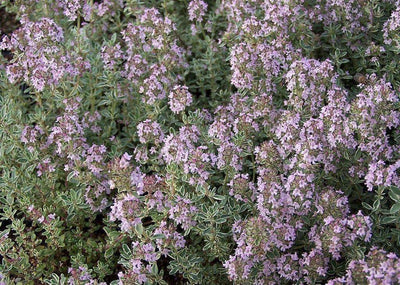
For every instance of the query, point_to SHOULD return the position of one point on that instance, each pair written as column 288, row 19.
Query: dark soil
column 8, row 22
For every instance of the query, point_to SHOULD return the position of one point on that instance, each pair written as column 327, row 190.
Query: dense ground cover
column 200, row 142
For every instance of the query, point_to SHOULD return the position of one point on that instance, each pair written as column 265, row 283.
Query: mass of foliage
column 200, row 142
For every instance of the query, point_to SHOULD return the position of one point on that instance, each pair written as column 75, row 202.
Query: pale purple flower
column 137, row 180
column 179, row 98
column 149, row 131
column 70, row 8
column 197, row 10
column 182, row 213
column 124, row 162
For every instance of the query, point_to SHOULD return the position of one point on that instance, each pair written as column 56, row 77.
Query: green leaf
column 71, row 176
column 174, row 270
column 389, row 220
column 3, row 201
column 139, row 229
column 194, row 277
column 395, row 190
column 187, row 232
column 126, row 252
column 4, row 233
column 376, row 205
column 107, row 230
column 109, row 252
column 207, row 246
column 395, row 208
column 220, row 220
column 46, row 252
column 366, row 206
column 219, row 197
column 154, row 269
column 55, row 278
column 394, row 196
column 113, row 38
column 158, row 236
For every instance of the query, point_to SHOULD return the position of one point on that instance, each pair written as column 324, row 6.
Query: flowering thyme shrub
column 200, row 142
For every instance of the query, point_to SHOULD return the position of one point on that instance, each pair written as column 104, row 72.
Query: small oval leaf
column 395, row 190
column 395, row 208
column 389, row 220
column 109, row 252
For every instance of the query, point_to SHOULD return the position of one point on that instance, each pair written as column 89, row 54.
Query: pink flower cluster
column 179, row 98
column 378, row 267
column 148, row 41
column 283, row 154
column 197, row 10
column 40, row 57
column 143, row 255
